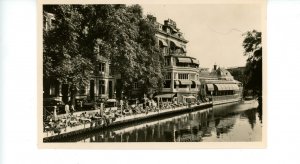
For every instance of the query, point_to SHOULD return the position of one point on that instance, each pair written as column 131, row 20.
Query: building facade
column 182, row 78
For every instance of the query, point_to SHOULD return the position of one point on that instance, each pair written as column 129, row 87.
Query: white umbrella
column 55, row 114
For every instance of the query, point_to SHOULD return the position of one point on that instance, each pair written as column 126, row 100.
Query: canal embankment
column 91, row 127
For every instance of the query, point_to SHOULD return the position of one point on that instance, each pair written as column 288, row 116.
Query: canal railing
column 68, row 131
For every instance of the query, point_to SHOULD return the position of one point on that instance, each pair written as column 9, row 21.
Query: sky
column 214, row 31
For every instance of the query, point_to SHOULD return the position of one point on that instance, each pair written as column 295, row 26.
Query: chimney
column 215, row 66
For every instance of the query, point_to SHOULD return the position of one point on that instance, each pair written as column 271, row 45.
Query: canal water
column 238, row 122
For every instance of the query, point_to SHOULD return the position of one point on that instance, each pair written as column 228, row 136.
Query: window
column 82, row 90
column 193, row 85
column 182, row 86
column 52, row 90
column 136, row 85
column 183, row 76
column 192, row 77
column 167, row 84
column 168, row 75
column 102, row 67
column 101, row 87
column 110, row 70
column 167, row 61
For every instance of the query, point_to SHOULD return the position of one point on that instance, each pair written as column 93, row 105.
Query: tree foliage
column 84, row 34
column 253, row 71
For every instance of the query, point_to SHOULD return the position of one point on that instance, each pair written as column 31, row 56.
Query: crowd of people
column 58, row 123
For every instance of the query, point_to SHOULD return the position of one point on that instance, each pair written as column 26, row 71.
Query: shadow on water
column 220, row 123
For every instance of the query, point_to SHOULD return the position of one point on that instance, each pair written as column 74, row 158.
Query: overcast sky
column 214, row 32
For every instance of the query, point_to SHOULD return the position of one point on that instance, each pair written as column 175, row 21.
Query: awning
column 184, row 60
column 170, row 95
column 185, row 82
column 235, row 87
column 195, row 61
column 210, row 87
column 164, row 43
column 176, row 44
column 176, row 82
column 111, row 100
column 220, row 87
column 196, row 82
column 227, row 87
column 190, row 97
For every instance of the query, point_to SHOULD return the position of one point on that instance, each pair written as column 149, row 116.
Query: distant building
column 219, row 85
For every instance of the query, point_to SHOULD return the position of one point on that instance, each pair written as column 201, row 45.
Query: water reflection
column 234, row 122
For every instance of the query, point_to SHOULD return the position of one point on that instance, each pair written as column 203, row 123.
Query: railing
column 194, row 89
column 225, row 97
column 75, row 122
column 183, row 89
column 166, row 89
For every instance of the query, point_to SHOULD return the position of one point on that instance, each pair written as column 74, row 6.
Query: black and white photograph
column 152, row 73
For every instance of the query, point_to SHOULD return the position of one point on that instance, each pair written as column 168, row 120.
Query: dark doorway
column 118, row 88
column 92, row 89
column 110, row 90
column 65, row 93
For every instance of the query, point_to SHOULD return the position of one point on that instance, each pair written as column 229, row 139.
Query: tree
column 62, row 55
column 84, row 34
column 253, row 71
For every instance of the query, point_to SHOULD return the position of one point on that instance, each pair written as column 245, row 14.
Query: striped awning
column 184, row 60
column 195, row 61
column 185, row 82
column 235, row 87
column 227, row 87
column 220, row 87
column 210, row 87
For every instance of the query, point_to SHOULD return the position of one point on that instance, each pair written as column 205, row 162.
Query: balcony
column 194, row 89
column 183, row 89
column 101, row 73
column 166, row 90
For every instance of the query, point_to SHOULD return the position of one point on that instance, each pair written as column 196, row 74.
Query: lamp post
column 121, row 103
column 211, row 94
